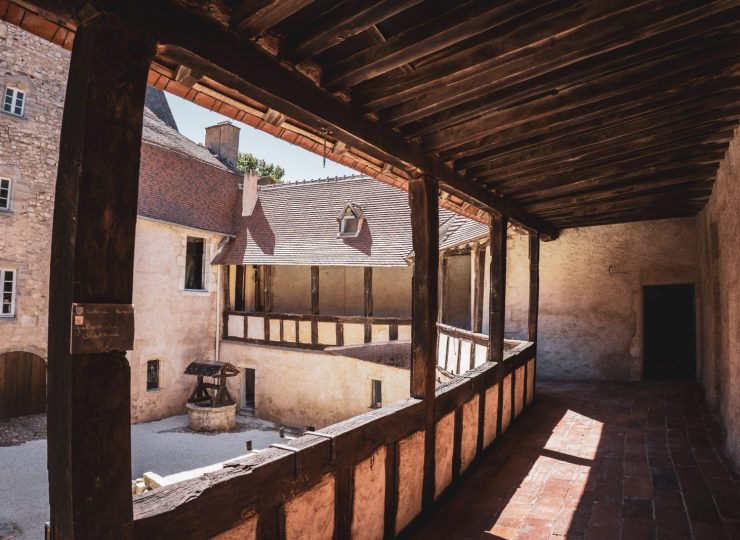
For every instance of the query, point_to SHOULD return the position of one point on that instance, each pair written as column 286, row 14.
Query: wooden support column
column 477, row 264
column 92, row 261
column 314, row 304
column 497, row 302
column 368, row 278
column 534, row 298
column 442, row 282
column 423, row 200
column 226, row 292
column 268, row 288
column 259, row 299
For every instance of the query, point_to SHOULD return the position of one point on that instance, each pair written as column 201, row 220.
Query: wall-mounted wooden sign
column 100, row 328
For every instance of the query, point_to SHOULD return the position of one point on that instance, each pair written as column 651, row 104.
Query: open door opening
column 248, row 375
column 670, row 335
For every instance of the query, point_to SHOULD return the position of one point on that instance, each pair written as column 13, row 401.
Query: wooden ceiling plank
column 345, row 20
column 452, row 105
column 546, row 147
column 665, row 75
column 656, row 102
column 253, row 17
column 656, row 143
column 463, row 21
column 551, row 46
column 697, row 173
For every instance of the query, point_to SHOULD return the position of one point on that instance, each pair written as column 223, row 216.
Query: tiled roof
column 156, row 101
column 458, row 230
column 394, row 353
column 180, row 181
column 297, row 224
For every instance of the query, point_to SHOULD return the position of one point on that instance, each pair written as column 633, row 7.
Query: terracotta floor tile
column 599, row 460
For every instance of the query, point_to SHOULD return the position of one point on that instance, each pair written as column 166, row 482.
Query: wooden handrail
column 323, row 318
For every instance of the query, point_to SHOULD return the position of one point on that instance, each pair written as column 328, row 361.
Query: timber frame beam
column 203, row 45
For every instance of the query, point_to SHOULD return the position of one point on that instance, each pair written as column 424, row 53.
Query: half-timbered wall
column 719, row 259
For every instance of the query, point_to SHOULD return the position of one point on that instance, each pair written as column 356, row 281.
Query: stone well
column 211, row 418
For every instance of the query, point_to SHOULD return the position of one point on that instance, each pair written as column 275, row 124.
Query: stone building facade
column 29, row 149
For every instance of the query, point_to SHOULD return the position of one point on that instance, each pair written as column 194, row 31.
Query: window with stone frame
column 5, row 193
column 195, row 264
column 152, row 375
column 7, row 292
column 14, row 102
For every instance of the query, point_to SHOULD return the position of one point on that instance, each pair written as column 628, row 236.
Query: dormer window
column 14, row 101
column 350, row 221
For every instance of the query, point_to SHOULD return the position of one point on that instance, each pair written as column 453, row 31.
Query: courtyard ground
column 163, row 447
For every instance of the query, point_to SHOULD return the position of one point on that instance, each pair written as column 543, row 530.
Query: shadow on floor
column 599, row 460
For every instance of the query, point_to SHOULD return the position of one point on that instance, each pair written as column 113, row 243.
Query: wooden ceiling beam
column 621, row 150
column 459, row 23
column 560, row 144
column 617, row 193
column 253, row 17
column 342, row 21
column 678, row 173
column 208, row 48
column 552, row 44
column 450, row 105
column 638, row 85
column 597, row 119
column 704, row 154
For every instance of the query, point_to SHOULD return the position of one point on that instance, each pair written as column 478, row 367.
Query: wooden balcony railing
column 460, row 350
column 348, row 474
column 313, row 331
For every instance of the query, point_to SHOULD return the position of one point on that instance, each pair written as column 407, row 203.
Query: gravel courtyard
column 163, row 447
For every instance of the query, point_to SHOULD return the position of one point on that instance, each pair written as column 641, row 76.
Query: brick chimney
column 249, row 193
column 223, row 140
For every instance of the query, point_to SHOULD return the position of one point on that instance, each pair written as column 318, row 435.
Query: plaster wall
column 392, row 291
column 173, row 325
column 29, row 149
column 300, row 387
column 591, row 279
column 718, row 229
column 291, row 289
column 341, row 290
column 457, row 292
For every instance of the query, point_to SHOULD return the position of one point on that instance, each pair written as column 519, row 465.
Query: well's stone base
column 211, row 418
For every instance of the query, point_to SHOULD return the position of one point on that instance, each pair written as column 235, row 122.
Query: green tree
column 249, row 162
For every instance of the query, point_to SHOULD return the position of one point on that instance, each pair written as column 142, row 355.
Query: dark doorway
column 22, row 384
column 670, row 338
column 248, row 402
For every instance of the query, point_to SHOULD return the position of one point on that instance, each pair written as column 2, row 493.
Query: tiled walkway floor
column 600, row 460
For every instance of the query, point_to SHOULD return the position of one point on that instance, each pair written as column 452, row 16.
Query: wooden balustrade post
column 423, row 200
column 534, row 300
column 314, row 304
column 92, row 262
column 497, row 302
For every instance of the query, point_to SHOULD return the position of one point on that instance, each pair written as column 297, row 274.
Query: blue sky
column 299, row 164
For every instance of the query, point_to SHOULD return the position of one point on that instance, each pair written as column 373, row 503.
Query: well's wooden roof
column 558, row 113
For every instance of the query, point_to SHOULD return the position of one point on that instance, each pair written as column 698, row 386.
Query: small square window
column 4, row 194
column 7, row 293
column 377, row 394
column 14, row 102
column 194, row 264
column 152, row 375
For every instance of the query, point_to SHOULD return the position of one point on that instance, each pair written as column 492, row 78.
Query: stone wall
column 300, row 387
column 718, row 229
column 173, row 325
column 29, row 148
column 591, row 279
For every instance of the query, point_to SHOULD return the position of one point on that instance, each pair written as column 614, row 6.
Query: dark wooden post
column 423, row 200
column 268, row 288
column 226, row 292
column 441, row 284
column 314, row 304
column 476, row 304
column 497, row 303
column 534, row 298
column 92, row 261
column 368, row 279
column 259, row 298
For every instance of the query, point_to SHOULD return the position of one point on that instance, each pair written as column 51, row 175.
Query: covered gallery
column 550, row 115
